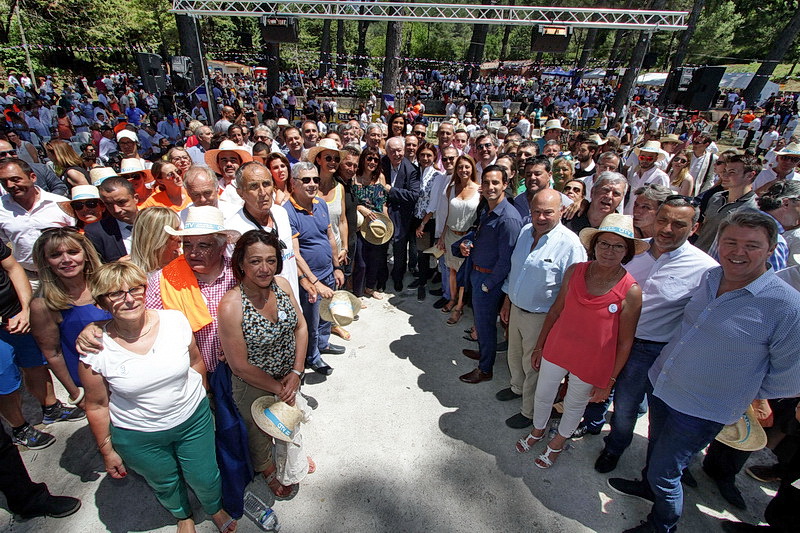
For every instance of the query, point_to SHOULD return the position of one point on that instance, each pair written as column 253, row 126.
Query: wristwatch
column 299, row 374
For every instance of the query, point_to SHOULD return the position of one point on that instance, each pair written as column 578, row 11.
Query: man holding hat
column 646, row 172
column 696, row 389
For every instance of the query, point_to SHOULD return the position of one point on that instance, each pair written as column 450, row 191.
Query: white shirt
column 197, row 154
column 240, row 223
column 155, row 391
column 21, row 228
column 640, row 179
column 667, row 284
column 536, row 275
column 768, row 139
column 768, row 174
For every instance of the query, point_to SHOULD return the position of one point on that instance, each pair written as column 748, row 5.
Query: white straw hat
column 203, row 220
column 276, row 419
column 80, row 192
column 378, row 231
column 341, row 308
column 98, row 174
column 227, row 145
column 745, row 434
column 621, row 225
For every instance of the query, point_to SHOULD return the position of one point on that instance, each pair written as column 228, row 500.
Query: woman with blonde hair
column 63, row 305
column 68, row 164
column 680, row 181
column 152, row 247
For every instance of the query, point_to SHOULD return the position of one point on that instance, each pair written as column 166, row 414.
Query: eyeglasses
column 121, row 296
column 616, row 248
column 8, row 153
column 572, row 189
column 80, row 204
column 329, row 158
column 694, row 202
column 308, row 179
column 646, row 158
column 448, row 159
column 372, row 159
column 484, row 146
column 181, row 158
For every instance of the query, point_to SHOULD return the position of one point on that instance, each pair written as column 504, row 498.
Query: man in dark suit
column 112, row 234
column 402, row 189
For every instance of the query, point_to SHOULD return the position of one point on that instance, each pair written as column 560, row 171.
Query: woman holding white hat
column 370, row 257
column 605, row 301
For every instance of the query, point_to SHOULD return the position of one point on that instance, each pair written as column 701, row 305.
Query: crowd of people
column 151, row 261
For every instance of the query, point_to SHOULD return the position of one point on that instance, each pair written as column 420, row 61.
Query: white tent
column 730, row 80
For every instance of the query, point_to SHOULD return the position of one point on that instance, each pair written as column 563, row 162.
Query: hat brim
column 755, row 439
column 211, row 158
column 435, row 251
column 371, row 238
column 586, row 235
column 312, row 153
column 232, row 235
column 659, row 155
column 257, row 409
column 325, row 310
column 68, row 209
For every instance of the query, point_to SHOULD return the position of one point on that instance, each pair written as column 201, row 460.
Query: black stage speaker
column 705, row 84
column 152, row 72
column 280, row 29
column 551, row 39
column 677, row 84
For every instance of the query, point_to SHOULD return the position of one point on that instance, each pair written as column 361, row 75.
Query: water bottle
column 260, row 513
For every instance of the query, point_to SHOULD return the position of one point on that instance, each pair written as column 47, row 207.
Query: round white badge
column 281, row 315
column 613, row 308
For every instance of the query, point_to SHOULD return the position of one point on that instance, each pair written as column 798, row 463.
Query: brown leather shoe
column 476, row 376
column 472, row 354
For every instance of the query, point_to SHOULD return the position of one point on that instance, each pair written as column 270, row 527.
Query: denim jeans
column 485, row 308
column 444, row 270
column 631, row 387
column 319, row 331
column 675, row 438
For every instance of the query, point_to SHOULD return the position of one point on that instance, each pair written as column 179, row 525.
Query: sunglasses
column 680, row 160
column 790, row 158
column 448, row 159
column 574, row 189
column 372, row 160
column 8, row 153
column 308, row 179
column 694, row 202
column 135, row 176
column 484, row 146
column 329, row 158
column 80, row 204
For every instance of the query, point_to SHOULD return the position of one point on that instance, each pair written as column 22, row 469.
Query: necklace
column 604, row 281
column 131, row 339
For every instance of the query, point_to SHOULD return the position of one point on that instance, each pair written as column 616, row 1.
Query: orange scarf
column 180, row 291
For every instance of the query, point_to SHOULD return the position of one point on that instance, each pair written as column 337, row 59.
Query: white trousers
column 578, row 395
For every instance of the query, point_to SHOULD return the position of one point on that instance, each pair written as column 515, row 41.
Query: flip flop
column 226, row 525
column 341, row 332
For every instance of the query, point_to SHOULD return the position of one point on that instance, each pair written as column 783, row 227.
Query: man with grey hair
column 607, row 162
column 263, row 134
column 551, row 149
column 197, row 152
column 646, row 203
column 374, row 137
column 782, row 203
column 202, row 187
column 402, row 191
column 606, row 195
column 317, row 260
column 696, row 390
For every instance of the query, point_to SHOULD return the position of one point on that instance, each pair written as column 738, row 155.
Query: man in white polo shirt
column 25, row 211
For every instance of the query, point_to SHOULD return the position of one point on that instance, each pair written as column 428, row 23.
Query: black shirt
column 9, row 302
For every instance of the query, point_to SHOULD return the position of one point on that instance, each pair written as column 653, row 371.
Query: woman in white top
column 146, row 398
column 462, row 195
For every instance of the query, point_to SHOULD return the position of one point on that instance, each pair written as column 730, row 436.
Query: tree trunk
column 341, row 52
column 325, row 48
column 588, row 47
column 391, row 65
column 686, row 35
column 361, row 49
column 506, row 34
column 614, row 57
column 635, row 64
column 779, row 48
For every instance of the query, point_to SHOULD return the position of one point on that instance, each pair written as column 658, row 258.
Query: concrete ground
column 401, row 445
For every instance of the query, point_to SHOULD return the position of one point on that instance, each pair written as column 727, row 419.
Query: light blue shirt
column 536, row 273
column 667, row 284
column 732, row 349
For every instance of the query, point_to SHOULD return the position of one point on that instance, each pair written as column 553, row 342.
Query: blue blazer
column 403, row 196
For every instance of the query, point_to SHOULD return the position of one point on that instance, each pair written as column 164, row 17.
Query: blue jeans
column 445, row 272
column 675, row 438
column 319, row 331
column 485, row 308
column 631, row 387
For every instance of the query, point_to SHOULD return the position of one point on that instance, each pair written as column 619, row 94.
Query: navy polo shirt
column 311, row 230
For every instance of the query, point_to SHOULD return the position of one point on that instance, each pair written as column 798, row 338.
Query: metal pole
column 25, row 47
column 212, row 103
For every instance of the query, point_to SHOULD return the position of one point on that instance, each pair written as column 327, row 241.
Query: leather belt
column 459, row 233
column 481, row 269
column 643, row 341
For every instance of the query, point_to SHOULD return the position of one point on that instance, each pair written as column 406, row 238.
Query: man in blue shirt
column 493, row 243
column 737, row 342
column 544, row 251
column 135, row 115
column 317, row 259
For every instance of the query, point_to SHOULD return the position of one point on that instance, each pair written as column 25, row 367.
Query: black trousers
column 23, row 495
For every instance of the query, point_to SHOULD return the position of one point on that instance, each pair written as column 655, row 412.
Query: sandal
column 525, row 443
column 229, row 526
column 448, row 306
column 312, row 466
column 455, row 316
column 339, row 331
column 544, row 461
column 279, row 490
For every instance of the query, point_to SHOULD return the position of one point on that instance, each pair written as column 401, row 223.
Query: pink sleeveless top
column 584, row 338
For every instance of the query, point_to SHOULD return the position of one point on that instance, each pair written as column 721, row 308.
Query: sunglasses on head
column 308, row 179
column 329, row 158
column 80, row 204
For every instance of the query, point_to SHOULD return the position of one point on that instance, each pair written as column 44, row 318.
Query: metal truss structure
column 374, row 10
